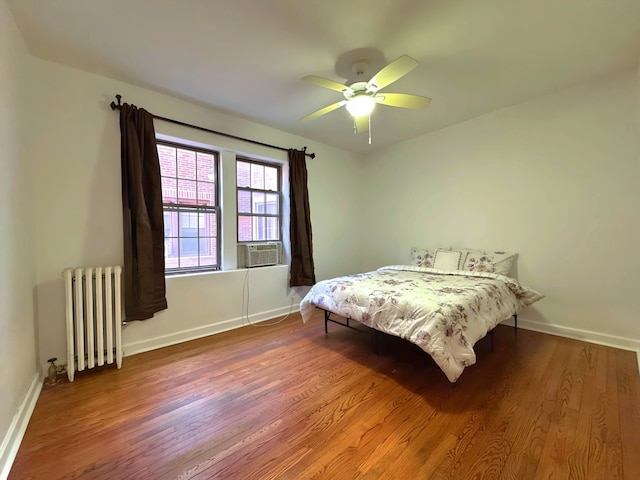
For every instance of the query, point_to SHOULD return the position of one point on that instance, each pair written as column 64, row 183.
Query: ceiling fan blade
column 392, row 72
column 326, row 83
column 361, row 123
column 403, row 100
column 322, row 111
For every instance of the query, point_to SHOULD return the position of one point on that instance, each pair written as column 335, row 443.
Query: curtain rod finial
column 310, row 155
column 113, row 104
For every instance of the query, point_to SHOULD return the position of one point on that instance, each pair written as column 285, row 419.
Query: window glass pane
column 257, row 201
column 188, row 224
column 167, row 157
column 206, row 167
column 187, row 192
column 189, row 252
column 271, row 178
column 244, row 229
column 169, row 190
column 273, row 233
column 188, row 246
column 186, row 164
column 243, row 174
column 171, row 253
column 166, row 223
column 257, row 176
column 207, row 224
column 208, row 251
column 244, row 201
column 171, row 224
column 259, row 231
column 206, row 193
column 272, row 203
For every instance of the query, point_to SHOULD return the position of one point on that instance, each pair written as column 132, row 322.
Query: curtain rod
column 118, row 106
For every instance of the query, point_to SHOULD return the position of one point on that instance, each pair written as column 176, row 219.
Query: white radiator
column 94, row 317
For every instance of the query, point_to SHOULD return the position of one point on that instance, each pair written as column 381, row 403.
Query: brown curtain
column 302, row 270
column 144, row 286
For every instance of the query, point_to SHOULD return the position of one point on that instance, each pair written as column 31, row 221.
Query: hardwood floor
column 286, row 402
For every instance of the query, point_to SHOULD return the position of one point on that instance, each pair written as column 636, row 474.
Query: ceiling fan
column 360, row 97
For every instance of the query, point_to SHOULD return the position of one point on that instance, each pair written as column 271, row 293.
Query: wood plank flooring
column 288, row 402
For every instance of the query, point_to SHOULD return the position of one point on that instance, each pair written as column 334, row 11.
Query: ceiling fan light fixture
column 361, row 105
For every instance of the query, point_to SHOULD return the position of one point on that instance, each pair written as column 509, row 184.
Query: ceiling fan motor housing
column 355, row 89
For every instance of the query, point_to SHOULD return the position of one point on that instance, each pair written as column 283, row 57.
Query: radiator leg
column 71, row 367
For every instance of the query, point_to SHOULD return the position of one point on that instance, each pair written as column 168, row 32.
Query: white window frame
column 182, row 208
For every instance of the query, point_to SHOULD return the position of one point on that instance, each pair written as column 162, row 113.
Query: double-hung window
column 191, row 208
column 259, row 201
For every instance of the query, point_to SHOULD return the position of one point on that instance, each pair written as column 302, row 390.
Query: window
column 259, row 201
column 190, row 204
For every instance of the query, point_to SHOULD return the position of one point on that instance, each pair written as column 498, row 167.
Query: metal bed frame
column 376, row 333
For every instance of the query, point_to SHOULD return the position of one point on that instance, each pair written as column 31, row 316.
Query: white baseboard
column 204, row 331
column 18, row 427
column 579, row 334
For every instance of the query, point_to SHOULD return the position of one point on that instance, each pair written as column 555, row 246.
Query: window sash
column 192, row 238
column 192, row 246
column 253, row 217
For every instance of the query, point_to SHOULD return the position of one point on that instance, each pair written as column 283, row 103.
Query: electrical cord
column 245, row 296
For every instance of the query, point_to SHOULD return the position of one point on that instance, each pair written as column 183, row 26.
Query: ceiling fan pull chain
column 369, row 129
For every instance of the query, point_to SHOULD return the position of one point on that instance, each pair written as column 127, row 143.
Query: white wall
column 555, row 179
column 17, row 265
column 79, row 220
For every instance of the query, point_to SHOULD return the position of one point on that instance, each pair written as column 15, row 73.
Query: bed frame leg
column 327, row 319
column 515, row 321
column 492, row 343
column 326, row 322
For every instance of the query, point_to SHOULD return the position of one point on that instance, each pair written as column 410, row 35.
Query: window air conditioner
column 262, row 254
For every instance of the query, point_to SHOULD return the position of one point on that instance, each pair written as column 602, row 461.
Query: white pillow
column 493, row 262
column 421, row 257
column 445, row 260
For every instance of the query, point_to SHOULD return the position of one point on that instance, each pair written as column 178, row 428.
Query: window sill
column 219, row 272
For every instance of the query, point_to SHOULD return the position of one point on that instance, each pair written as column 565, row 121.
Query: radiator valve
column 53, row 371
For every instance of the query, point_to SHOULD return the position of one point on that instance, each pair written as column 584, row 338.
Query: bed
column 445, row 312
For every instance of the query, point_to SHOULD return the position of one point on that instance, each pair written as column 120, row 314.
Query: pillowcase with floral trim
column 492, row 262
column 421, row 257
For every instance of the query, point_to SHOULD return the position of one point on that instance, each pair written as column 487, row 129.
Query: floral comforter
column 443, row 312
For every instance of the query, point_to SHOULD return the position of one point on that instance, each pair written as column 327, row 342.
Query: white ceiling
column 247, row 56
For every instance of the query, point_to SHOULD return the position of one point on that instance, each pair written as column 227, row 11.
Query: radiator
column 94, row 317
